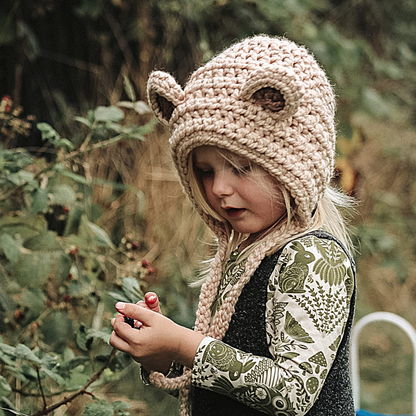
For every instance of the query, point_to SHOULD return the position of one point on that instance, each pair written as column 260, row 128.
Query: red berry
column 145, row 263
column 135, row 245
column 73, row 251
column 19, row 314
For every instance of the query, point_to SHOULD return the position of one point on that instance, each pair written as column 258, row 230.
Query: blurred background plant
column 87, row 206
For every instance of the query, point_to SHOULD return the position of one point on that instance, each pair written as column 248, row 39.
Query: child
column 253, row 140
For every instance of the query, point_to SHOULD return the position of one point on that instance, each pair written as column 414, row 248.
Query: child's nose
column 222, row 185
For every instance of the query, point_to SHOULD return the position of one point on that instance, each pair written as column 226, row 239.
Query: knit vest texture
column 247, row 332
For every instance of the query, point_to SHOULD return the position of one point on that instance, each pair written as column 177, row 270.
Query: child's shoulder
column 312, row 247
column 315, row 240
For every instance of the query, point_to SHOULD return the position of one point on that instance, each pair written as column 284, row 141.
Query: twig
column 45, row 405
column 83, row 390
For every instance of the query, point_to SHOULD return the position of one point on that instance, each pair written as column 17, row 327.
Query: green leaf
column 40, row 200
column 57, row 330
column 75, row 177
column 33, row 269
column 5, row 388
column 111, row 113
column 50, row 134
column 20, row 178
column 101, row 237
column 99, row 408
column 42, row 242
column 25, row 353
column 61, row 266
column 54, row 376
column 102, row 335
column 33, row 302
column 84, row 121
column 27, row 226
column 128, row 87
column 83, row 339
column 7, row 304
column 63, row 195
column 10, row 247
column 119, row 405
column 131, row 289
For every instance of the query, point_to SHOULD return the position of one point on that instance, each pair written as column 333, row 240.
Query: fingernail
column 152, row 299
column 120, row 306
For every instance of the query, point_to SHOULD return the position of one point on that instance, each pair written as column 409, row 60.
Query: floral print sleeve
column 307, row 308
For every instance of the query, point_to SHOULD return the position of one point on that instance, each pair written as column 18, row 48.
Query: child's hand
column 159, row 340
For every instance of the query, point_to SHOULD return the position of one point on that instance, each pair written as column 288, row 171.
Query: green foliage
column 56, row 258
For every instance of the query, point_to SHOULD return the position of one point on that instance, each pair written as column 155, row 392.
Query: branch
column 83, row 390
column 45, row 405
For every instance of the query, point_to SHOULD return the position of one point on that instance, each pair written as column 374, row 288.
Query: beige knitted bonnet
column 265, row 99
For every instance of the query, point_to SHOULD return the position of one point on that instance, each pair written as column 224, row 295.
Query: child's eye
column 242, row 170
column 207, row 173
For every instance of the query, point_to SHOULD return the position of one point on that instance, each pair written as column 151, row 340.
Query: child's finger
column 152, row 302
column 136, row 312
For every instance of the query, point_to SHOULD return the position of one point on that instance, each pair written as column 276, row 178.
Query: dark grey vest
column 247, row 332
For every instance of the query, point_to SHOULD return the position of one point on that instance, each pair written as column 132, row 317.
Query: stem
column 83, row 390
column 45, row 405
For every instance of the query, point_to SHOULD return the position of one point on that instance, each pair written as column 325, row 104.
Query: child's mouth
column 234, row 212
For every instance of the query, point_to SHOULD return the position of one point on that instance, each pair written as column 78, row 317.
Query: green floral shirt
column 308, row 301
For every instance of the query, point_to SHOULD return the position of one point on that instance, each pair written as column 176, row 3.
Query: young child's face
column 246, row 196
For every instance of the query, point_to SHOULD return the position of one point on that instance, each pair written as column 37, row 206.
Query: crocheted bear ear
column 164, row 95
column 274, row 88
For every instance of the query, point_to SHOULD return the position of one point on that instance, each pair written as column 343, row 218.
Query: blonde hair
column 328, row 216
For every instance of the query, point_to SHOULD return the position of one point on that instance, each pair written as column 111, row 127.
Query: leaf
column 33, row 269
column 54, row 376
column 131, row 289
column 6, row 302
column 75, row 177
column 102, row 335
column 33, row 302
column 10, row 247
column 50, row 134
column 84, row 121
column 20, row 178
column 128, row 87
column 61, row 266
column 25, row 353
column 42, row 242
column 5, row 388
column 27, row 226
column 140, row 107
column 101, row 237
column 99, row 408
column 57, row 330
column 83, row 339
column 40, row 200
column 105, row 114
column 119, row 405
column 63, row 195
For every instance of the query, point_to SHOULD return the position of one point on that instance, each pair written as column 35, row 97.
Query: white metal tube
column 355, row 368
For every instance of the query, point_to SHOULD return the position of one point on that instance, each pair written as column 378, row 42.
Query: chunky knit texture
column 265, row 99
column 223, row 105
